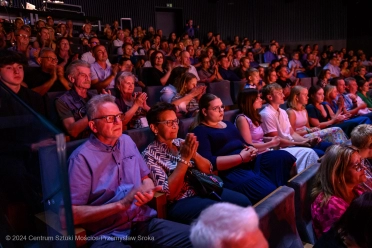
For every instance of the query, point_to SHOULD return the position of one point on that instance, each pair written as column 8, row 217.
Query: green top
column 365, row 99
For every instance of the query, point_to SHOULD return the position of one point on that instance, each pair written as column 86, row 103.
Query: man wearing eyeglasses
column 88, row 56
column 49, row 77
column 71, row 106
column 110, row 186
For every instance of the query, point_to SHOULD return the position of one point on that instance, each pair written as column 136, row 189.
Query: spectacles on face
column 111, row 118
column 218, row 108
column 50, row 59
column 170, row 123
column 24, row 36
column 160, row 57
column 359, row 166
column 94, row 43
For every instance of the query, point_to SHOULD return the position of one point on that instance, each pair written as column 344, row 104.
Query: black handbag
column 205, row 185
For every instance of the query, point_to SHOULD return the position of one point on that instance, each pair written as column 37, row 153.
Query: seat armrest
column 159, row 203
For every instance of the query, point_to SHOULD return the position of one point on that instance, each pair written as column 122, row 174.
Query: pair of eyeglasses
column 359, row 166
column 50, row 59
column 158, row 57
column 218, row 108
column 170, row 123
column 25, row 36
column 111, row 118
column 94, row 43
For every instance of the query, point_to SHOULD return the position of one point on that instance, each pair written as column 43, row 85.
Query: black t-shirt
column 154, row 77
column 285, row 83
column 330, row 239
column 35, row 77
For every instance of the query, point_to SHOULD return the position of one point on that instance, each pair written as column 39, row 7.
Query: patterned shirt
column 162, row 165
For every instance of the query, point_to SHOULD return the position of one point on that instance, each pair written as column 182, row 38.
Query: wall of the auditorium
column 283, row 20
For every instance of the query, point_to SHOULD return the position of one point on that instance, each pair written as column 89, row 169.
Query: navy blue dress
column 255, row 179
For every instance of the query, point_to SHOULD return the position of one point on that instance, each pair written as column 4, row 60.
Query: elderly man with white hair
column 224, row 225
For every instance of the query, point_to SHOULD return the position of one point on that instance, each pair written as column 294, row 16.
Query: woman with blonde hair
column 299, row 119
column 336, row 186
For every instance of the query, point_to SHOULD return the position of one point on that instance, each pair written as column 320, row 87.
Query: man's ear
column 92, row 126
column 38, row 60
column 71, row 79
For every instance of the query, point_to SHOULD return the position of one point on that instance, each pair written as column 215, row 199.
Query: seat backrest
column 283, row 106
column 153, row 94
column 51, row 110
column 144, row 76
column 315, row 80
column 50, row 174
column 141, row 136
column 306, row 82
column 277, row 219
column 222, row 90
column 230, row 115
column 302, row 185
column 317, row 71
column 236, row 87
column 77, row 48
column 184, row 126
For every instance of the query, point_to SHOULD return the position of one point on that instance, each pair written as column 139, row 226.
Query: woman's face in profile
column 354, row 173
column 191, row 84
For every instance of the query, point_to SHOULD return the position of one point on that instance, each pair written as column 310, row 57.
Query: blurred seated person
column 299, row 119
column 61, row 31
column 271, row 54
column 270, row 76
column 252, row 62
column 128, row 53
column 187, row 106
column 146, row 45
column 207, row 75
column 185, row 62
column 238, row 163
column 224, row 69
column 64, row 53
column 363, row 90
column 237, row 56
column 109, row 35
column 88, row 56
column 158, row 75
column 70, row 29
column 133, row 105
column 353, row 228
column 11, row 77
column 361, row 71
column 49, row 77
column 283, row 80
column 169, row 91
column 118, row 43
column 169, row 158
column 344, row 69
column 248, row 122
column 353, row 89
column 71, row 106
column 87, row 32
column 127, row 66
column 148, row 58
column 229, row 230
column 22, row 46
column 361, row 138
column 253, row 80
column 43, row 38
column 103, row 74
column 337, row 184
column 193, row 59
column 323, row 78
column 297, row 65
column 110, row 203
column 309, row 64
column 333, row 66
column 242, row 69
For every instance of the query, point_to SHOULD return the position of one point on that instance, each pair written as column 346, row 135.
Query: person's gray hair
column 361, row 136
column 122, row 75
column 95, row 102
column 72, row 68
column 348, row 80
column 221, row 224
column 45, row 50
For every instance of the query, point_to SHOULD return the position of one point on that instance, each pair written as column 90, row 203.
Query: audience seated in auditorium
column 158, row 75
column 118, row 42
column 238, row 163
column 299, row 70
column 275, row 122
column 88, row 56
column 188, row 95
column 103, row 74
column 120, row 210
column 169, row 158
column 224, row 69
column 299, row 119
column 237, row 56
column 333, row 67
column 360, row 73
column 218, row 227
column 323, row 78
column 185, row 62
column 336, row 186
column 44, row 40
column 353, row 228
column 11, row 77
column 169, row 91
column 309, row 64
column 271, row 54
column 352, row 86
column 242, row 69
column 49, row 76
column 249, row 123
column 283, row 80
column 64, row 53
column 71, row 106
column 270, row 76
column 133, row 105
column 363, row 89
column 206, row 74
column 344, row 69
column 253, row 80
column 87, row 32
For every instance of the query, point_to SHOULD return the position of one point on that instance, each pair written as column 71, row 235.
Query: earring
column 156, row 134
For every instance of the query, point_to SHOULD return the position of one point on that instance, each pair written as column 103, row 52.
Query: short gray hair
column 72, row 68
column 45, row 50
column 348, row 80
column 122, row 75
column 361, row 136
column 95, row 102
column 221, row 224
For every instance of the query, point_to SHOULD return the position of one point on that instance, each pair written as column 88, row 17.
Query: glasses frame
column 169, row 123
column 106, row 117
column 218, row 108
column 50, row 59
